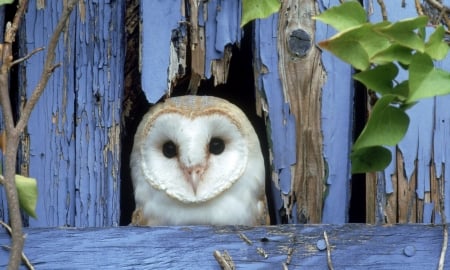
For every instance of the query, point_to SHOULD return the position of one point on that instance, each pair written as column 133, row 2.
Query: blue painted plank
column 159, row 19
column 282, row 122
column 74, row 130
column 337, row 115
column 353, row 246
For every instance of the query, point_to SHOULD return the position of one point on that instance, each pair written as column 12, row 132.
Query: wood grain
column 302, row 79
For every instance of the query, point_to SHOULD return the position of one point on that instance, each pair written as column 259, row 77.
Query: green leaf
column 425, row 80
column 258, row 9
column 344, row 16
column 393, row 53
column 436, row 47
column 403, row 32
column 27, row 190
column 4, row 2
column 387, row 125
column 370, row 159
column 379, row 78
column 401, row 90
column 357, row 45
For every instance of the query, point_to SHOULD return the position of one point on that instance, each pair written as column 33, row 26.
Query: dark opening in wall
column 239, row 90
column 357, row 211
column 134, row 107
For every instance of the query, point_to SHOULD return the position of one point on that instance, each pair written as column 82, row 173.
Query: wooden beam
column 353, row 246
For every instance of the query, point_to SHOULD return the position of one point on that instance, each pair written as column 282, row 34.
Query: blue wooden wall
column 72, row 144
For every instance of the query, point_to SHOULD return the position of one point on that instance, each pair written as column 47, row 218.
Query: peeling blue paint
column 428, row 209
column 155, row 48
column 337, row 103
column 282, row 122
column 426, row 140
column 74, row 129
column 221, row 29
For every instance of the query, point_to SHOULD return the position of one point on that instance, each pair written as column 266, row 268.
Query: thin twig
column 24, row 257
column 26, row 57
column 438, row 5
column 289, row 255
column 262, row 252
column 225, row 261
column 444, row 227
column 419, row 7
column 444, row 248
column 245, row 239
column 329, row 262
column 383, row 10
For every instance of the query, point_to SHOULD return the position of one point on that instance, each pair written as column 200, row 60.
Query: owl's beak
column 194, row 175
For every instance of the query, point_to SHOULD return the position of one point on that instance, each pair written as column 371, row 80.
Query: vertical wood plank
column 371, row 187
column 300, row 113
column 336, row 124
column 281, row 129
column 302, row 77
column 74, row 131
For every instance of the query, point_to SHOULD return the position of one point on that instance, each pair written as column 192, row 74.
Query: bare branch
column 13, row 132
column 24, row 257
column 419, row 7
column 383, row 10
column 444, row 247
column 441, row 185
column 10, row 32
column 26, row 57
column 224, row 260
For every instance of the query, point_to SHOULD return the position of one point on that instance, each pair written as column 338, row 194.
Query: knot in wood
column 299, row 42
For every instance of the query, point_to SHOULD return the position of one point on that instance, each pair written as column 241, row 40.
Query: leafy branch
column 14, row 130
column 378, row 51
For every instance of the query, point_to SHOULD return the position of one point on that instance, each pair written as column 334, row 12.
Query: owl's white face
column 201, row 156
column 193, row 150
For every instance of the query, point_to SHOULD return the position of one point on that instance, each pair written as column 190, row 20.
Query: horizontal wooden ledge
column 353, row 246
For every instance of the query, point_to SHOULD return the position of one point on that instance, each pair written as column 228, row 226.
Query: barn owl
column 196, row 160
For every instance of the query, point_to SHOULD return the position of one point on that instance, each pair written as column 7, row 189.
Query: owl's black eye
column 169, row 149
column 216, row 146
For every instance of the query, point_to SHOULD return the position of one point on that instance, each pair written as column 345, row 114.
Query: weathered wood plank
column 302, row 77
column 72, row 144
column 336, row 124
column 353, row 246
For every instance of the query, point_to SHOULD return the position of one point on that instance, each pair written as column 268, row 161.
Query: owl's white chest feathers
column 241, row 204
column 197, row 160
